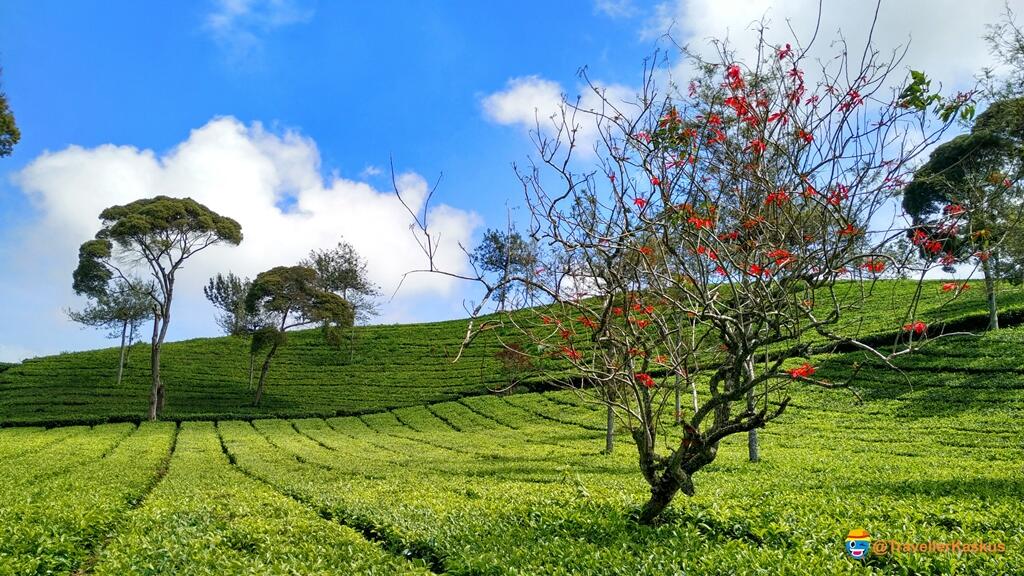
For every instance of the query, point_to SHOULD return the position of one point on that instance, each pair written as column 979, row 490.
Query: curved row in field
column 517, row 484
column 383, row 367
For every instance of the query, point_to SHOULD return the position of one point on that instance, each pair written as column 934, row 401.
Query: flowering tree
column 716, row 239
column 967, row 201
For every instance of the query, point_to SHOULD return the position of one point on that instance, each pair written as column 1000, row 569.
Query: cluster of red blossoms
column 805, row 370
column 953, row 286
column 917, row 327
column 644, row 379
column 874, row 265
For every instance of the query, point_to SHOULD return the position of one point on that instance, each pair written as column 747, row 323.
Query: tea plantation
column 421, row 473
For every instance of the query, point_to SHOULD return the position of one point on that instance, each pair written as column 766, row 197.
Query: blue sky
column 313, row 98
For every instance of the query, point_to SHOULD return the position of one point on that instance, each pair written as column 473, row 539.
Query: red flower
column 805, row 370
column 617, row 311
column 781, row 257
column 784, row 52
column 849, row 230
column 756, row 146
column 948, row 259
column 729, row 235
column 643, row 137
column 779, row 116
column 646, row 250
column 655, row 181
column 548, row 320
column 640, row 203
column 917, row 327
column 950, row 286
column 953, row 210
column 648, row 309
column 611, row 176
column 700, row 223
column 644, row 380
column 983, row 256
column 733, row 77
column 587, row 322
column 571, row 353
column 778, row 198
column 756, row 270
column 565, row 334
column 661, row 359
column 636, row 352
column 805, row 136
column 873, row 265
column 837, row 196
column 919, row 237
column 933, row 246
column 717, row 136
column 714, row 120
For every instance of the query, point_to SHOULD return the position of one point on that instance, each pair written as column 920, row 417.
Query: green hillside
column 517, row 485
column 387, row 367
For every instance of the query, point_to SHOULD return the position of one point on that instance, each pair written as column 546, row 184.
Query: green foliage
column 86, row 479
column 517, row 485
column 206, row 517
column 390, row 367
column 162, row 219
column 227, row 293
column 343, row 271
column 9, row 133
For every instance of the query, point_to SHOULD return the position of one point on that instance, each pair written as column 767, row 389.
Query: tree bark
column 678, row 400
column 120, row 361
column 263, row 375
column 154, row 368
column 990, row 293
column 662, row 494
column 753, row 447
column 609, row 434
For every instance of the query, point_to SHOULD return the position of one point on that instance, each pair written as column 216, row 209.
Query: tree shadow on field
column 920, row 393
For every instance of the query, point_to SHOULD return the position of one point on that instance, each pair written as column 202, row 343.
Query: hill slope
column 517, row 485
column 387, row 367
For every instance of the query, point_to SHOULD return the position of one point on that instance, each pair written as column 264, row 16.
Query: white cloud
column 370, row 171
column 945, row 38
column 615, row 8
column 526, row 101
column 271, row 183
column 239, row 25
column 532, row 102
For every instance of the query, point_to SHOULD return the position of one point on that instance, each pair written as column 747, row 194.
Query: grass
column 517, row 485
column 389, row 459
column 387, row 367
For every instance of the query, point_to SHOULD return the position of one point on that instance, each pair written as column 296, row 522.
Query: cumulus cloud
column 944, row 39
column 532, row 102
column 271, row 183
column 239, row 25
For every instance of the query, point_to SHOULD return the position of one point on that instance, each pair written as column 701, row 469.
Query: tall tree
column 9, row 133
column 505, row 255
column 716, row 230
column 121, row 309
column 227, row 292
column 343, row 271
column 295, row 295
column 967, row 198
column 160, row 234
